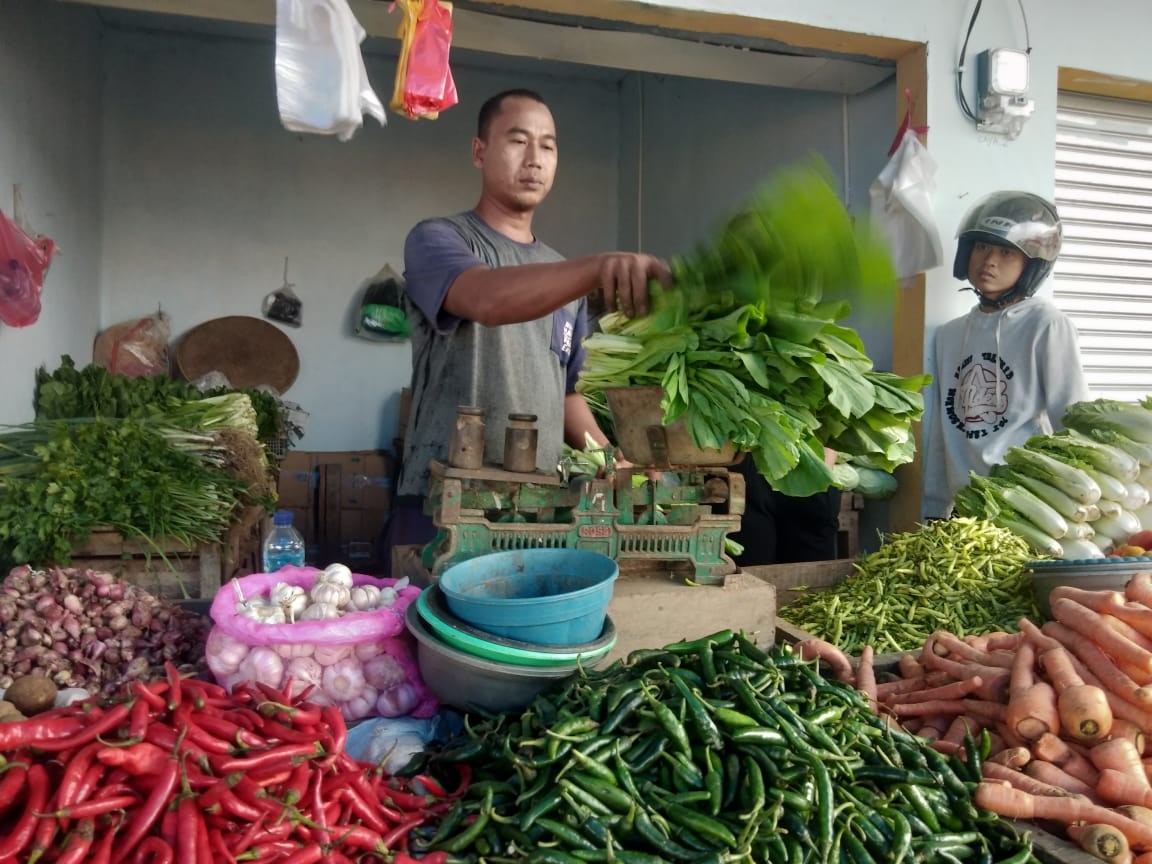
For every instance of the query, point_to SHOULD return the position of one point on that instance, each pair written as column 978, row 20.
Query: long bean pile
column 712, row 751
column 964, row 575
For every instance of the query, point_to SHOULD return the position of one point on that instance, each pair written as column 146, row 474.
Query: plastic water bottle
column 283, row 545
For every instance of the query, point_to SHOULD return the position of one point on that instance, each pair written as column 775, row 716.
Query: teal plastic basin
column 460, row 634
column 545, row 596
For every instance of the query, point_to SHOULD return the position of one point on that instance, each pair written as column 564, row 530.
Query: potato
column 32, row 694
column 9, row 712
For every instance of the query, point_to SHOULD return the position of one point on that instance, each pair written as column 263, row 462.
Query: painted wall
column 206, row 194
column 1106, row 37
column 694, row 150
column 193, row 159
column 708, row 144
column 50, row 144
column 702, row 147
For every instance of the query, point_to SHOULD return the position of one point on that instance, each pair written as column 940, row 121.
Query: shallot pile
column 86, row 628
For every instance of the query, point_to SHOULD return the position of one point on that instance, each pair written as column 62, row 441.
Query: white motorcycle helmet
column 1019, row 220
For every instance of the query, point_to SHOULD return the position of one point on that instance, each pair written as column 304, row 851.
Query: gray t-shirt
column 515, row 368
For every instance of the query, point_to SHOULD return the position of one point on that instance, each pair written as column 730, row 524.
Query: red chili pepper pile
column 180, row 770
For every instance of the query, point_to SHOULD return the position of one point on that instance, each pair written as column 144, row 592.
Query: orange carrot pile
column 1063, row 711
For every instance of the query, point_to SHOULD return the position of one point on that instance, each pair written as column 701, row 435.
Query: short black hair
column 492, row 107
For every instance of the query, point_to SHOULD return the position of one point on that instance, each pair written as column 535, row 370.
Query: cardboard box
column 359, row 540
column 297, row 484
column 304, row 521
column 367, row 479
column 848, row 525
column 810, row 575
column 787, row 578
column 340, row 502
column 350, row 499
column 352, row 479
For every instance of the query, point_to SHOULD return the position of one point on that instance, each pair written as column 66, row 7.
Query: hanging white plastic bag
column 902, row 207
column 321, row 83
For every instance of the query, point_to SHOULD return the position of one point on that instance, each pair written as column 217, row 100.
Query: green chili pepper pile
column 963, row 575
column 710, row 751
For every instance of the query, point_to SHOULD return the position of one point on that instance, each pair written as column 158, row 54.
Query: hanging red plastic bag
column 424, row 83
column 23, row 261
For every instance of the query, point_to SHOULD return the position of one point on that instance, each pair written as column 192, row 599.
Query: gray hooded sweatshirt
column 998, row 379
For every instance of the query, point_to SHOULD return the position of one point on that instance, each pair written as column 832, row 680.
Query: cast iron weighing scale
column 677, row 523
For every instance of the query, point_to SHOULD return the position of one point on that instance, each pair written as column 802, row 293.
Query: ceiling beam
column 628, row 51
column 649, row 14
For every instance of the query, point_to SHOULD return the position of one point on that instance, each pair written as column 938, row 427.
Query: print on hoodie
column 977, row 403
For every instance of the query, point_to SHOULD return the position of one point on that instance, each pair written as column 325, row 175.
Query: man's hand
column 623, row 281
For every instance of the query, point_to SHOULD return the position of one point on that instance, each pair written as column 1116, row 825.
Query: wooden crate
column 170, row 569
column 788, row 579
column 810, row 575
column 821, row 575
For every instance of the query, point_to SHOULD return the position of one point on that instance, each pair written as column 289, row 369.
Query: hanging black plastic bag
column 283, row 305
column 381, row 317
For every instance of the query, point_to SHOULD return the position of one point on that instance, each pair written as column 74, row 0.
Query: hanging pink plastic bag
column 136, row 348
column 23, row 261
column 425, row 86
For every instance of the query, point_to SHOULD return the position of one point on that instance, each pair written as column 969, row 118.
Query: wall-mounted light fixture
column 1002, row 103
column 1002, row 87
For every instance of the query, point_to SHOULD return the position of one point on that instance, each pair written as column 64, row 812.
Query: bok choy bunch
column 1076, row 494
column 748, row 350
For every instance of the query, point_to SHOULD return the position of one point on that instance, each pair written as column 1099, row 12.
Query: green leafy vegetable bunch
column 61, row 479
column 93, row 391
column 748, row 349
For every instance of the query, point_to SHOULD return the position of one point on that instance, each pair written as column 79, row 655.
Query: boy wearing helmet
column 1008, row 369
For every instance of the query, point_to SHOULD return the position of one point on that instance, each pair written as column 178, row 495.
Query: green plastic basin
column 460, row 634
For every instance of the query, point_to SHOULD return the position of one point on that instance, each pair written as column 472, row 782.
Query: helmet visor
column 1020, row 219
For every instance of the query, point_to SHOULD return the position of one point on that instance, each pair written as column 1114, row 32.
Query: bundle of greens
column 748, row 350
column 93, row 391
column 60, row 479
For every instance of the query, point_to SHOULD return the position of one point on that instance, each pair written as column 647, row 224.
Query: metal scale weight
column 675, row 525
